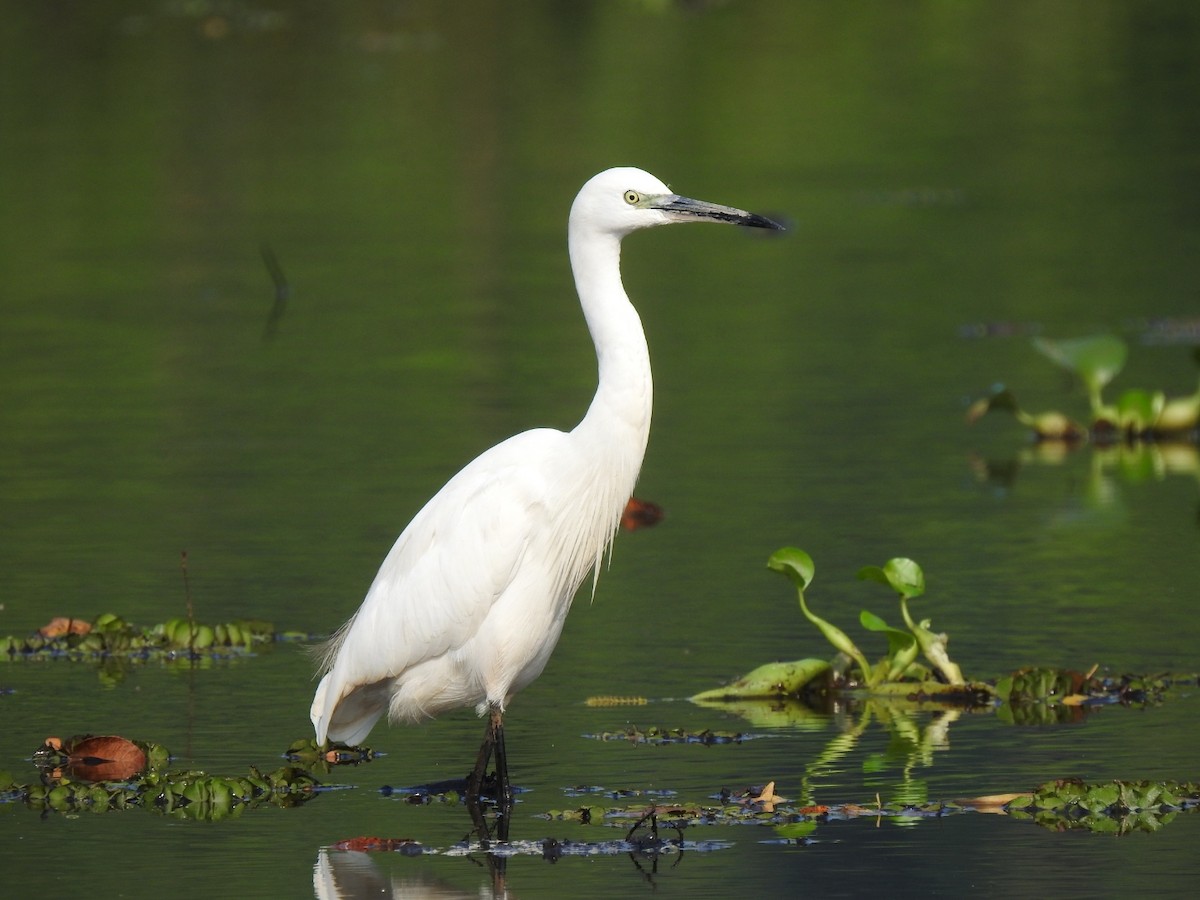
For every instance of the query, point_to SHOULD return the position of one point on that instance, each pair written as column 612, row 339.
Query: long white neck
column 617, row 423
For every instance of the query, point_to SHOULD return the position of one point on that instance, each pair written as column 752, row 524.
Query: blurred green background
column 956, row 177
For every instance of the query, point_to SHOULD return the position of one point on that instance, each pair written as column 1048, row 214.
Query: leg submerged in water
column 492, row 747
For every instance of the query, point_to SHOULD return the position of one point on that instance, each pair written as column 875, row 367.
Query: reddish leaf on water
column 365, row 844
column 61, row 625
column 640, row 514
column 104, row 758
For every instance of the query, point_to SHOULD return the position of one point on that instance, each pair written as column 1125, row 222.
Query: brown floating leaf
column 61, row 625
column 102, row 758
column 768, row 798
column 362, row 844
column 991, row 803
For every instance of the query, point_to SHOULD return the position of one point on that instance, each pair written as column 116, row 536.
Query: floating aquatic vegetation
column 308, row 753
column 655, row 735
column 1042, row 695
column 1111, row 807
column 768, row 681
column 898, row 674
column 1136, row 415
column 615, row 701
column 546, row 848
column 451, row 790
column 95, row 758
column 76, row 779
column 616, row 793
column 771, row 693
column 1115, row 807
column 109, row 636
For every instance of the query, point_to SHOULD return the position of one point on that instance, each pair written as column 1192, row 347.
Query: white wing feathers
column 490, row 530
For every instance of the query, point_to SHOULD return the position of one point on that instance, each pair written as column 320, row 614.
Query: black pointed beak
column 685, row 209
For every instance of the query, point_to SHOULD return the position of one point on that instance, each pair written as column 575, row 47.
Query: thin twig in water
column 187, row 595
column 283, row 290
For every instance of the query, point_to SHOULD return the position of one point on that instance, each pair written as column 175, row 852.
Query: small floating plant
column 917, row 668
column 110, row 636
column 97, row 774
column 899, row 673
column 1136, row 415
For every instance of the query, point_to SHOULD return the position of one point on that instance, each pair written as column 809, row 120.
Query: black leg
column 479, row 773
column 503, row 786
column 492, row 747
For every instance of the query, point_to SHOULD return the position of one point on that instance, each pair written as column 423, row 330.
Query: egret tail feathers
column 347, row 716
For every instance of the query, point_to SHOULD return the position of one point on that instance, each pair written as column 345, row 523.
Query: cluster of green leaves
column 308, row 753
column 904, row 577
column 184, row 795
column 111, row 636
column 1042, row 695
column 1115, row 807
column 1028, row 696
column 1136, row 414
column 1111, row 807
column 900, row 669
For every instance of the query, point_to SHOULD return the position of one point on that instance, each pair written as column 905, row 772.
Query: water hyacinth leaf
column 1137, row 410
column 1051, row 425
column 934, row 648
column 839, row 639
column 902, row 575
column 902, row 645
column 872, row 573
column 776, row 679
column 796, row 831
column 1179, row 414
column 905, row 576
column 872, row 622
column 108, row 622
column 1001, row 399
column 1054, row 426
column 795, row 564
column 1096, row 359
column 798, row 566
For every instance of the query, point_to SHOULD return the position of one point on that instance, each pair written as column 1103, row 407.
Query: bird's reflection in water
column 348, row 871
column 348, row 874
column 354, row 875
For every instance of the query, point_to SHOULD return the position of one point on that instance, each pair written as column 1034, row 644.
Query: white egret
column 469, row 603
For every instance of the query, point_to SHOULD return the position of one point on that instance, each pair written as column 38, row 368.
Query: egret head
column 621, row 200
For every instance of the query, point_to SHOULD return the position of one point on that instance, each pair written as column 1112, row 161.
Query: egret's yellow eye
column 633, row 198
